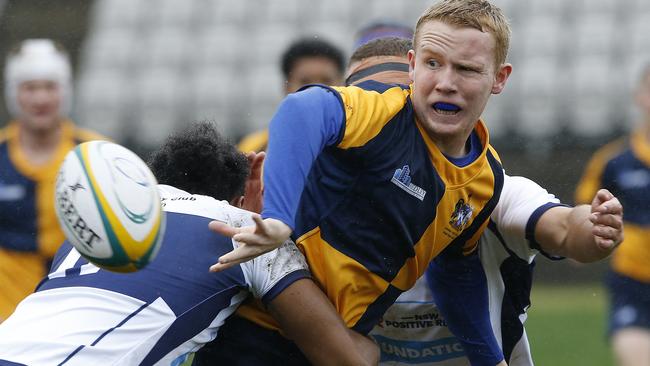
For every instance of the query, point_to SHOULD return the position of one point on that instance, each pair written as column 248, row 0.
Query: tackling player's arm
column 280, row 279
column 308, row 318
column 585, row 233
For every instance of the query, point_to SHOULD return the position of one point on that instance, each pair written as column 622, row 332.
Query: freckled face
column 453, row 72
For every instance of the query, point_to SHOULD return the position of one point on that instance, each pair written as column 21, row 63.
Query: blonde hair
column 477, row 14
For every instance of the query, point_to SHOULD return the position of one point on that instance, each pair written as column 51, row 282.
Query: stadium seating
column 165, row 62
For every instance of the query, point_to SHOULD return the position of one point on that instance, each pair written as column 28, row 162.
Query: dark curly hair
column 201, row 161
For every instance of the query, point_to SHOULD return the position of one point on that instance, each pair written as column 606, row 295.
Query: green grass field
column 566, row 326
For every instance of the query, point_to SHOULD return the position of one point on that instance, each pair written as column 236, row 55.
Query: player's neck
column 453, row 146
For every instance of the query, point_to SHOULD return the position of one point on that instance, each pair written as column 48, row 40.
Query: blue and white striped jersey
column 83, row 315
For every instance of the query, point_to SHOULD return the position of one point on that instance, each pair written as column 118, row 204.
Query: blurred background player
column 162, row 313
column 623, row 167
column 38, row 93
column 413, row 330
column 306, row 61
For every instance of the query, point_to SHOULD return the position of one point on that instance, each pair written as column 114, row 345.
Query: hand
column 254, row 191
column 607, row 218
column 266, row 235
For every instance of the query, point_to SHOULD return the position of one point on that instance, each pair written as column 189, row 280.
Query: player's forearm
column 308, row 318
column 568, row 232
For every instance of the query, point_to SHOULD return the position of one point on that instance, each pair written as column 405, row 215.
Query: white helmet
column 38, row 59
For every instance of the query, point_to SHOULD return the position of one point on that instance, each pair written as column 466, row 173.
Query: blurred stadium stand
column 575, row 62
column 178, row 61
column 146, row 67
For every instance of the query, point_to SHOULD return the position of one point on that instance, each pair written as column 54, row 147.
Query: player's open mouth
column 446, row 108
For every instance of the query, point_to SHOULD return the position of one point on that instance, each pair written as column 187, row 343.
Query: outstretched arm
column 305, row 123
column 584, row 233
column 308, row 318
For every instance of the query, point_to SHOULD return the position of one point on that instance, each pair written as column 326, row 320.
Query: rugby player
column 368, row 180
column 526, row 220
column 161, row 314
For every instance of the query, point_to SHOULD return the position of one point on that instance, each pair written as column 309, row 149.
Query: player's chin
column 447, row 126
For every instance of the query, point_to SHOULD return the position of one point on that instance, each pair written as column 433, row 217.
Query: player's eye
column 469, row 69
column 433, row 63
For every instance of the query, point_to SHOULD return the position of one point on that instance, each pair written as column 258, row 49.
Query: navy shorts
column 629, row 303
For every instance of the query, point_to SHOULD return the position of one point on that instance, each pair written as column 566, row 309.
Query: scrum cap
column 37, row 59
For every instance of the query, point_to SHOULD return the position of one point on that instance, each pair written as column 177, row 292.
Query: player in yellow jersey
column 623, row 167
column 374, row 182
column 417, row 330
column 38, row 89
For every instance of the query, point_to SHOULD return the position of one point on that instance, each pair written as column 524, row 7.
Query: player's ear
column 501, row 77
column 237, row 201
column 411, row 60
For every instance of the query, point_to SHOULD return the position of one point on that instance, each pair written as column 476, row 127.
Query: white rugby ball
column 108, row 206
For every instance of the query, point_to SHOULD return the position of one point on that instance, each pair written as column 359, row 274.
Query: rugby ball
column 108, row 206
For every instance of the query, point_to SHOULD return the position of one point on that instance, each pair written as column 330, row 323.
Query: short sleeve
column 271, row 273
column 520, row 199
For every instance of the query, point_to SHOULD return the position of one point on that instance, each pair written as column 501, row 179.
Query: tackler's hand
column 266, row 235
column 607, row 218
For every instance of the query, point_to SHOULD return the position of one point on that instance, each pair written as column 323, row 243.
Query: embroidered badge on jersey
column 402, row 179
column 462, row 214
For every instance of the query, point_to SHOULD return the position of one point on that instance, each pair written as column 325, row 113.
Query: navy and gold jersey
column 379, row 200
column 29, row 230
column 623, row 167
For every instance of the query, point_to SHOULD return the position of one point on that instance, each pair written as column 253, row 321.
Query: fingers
column 218, row 267
column 605, row 244
column 260, row 227
column 612, row 220
column 605, row 202
column 252, row 241
column 607, row 218
column 223, row 228
column 607, row 237
column 601, row 196
column 241, row 254
column 606, row 232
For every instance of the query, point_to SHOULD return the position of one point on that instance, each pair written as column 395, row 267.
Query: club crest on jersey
column 402, row 179
column 463, row 212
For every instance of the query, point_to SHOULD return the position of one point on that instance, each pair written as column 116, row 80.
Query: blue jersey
column 81, row 314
